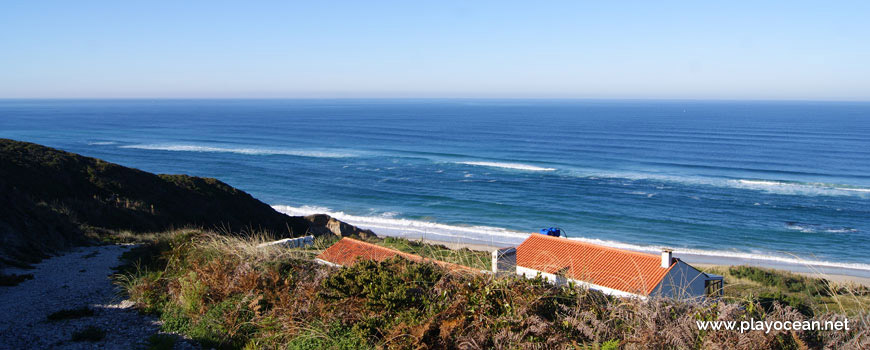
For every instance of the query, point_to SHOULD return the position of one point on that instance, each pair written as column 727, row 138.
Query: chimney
column 667, row 258
column 504, row 260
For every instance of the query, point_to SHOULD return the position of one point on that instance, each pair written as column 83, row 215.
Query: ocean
column 784, row 182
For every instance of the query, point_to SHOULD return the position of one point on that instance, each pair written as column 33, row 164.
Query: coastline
column 458, row 245
column 836, row 275
column 489, row 238
column 835, row 278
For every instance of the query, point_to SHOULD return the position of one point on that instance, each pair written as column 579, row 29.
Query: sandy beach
column 836, row 275
column 459, row 245
column 836, row 278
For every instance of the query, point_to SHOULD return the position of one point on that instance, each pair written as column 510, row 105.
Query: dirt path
column 79, row 279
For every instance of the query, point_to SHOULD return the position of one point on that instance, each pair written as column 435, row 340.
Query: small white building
column 612, row 271
column 298, row 242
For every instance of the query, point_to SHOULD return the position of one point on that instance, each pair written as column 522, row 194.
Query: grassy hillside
column 471, row 258
column 807, row 295
column 228, row 294
column 50, row 199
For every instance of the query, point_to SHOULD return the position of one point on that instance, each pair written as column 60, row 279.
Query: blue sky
column 523, row 49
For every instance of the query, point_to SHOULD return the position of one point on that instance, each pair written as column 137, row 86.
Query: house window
column 713, row 288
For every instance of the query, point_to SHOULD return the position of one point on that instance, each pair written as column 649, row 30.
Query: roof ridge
column 409, row 256
column 399, row 252
column 382, row 248
column 621, row 269
column 365, row 243
column 574, row 241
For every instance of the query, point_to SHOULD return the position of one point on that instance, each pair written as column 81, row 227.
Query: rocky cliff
column 51, row 199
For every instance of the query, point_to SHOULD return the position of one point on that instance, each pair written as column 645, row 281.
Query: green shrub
column 161, row 342
column 389, row 286
column 228, row 295
column 174, row 319
column 336, row 337
column 768, row 299
column 610, row 345
column 784, row 281
column 224, row 325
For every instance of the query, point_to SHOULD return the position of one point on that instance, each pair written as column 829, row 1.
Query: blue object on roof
column 552, row 231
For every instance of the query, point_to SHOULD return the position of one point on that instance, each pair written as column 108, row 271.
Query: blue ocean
column 784, row 182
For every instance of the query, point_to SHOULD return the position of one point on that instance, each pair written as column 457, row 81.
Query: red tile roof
column 628, row 271
column 348, row 251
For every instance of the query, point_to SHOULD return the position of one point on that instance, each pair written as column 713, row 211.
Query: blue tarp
column 552, row 231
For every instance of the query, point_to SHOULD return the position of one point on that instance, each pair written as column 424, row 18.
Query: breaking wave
column 768, row 186
column 785, row 259
column 388, row 225
column 814, row 228
column 240, row 150
column 514, row 166
column 800, row 188
column 763, row 185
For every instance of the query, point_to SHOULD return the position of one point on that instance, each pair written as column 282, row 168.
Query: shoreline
column 489, row 238
column 835, row 278
column 833, row 274
column 457, row 245
column 836, row 274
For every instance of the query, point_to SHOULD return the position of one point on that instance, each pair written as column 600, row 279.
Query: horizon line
column 633, row 99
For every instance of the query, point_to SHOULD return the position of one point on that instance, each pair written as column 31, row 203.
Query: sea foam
column 769, row 186
column 239, row 150
column 514, row 166
column 785, row 258
column 801, row 188
column 388, row 225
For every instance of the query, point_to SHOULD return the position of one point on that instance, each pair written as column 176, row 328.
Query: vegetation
column 785, row 282
column 805, row 294
column 69, row 314
column 51, row 200
column 161, row 341
column 471, row 258
column 228, row 294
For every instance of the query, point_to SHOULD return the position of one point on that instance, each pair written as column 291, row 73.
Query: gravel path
column 77, row 279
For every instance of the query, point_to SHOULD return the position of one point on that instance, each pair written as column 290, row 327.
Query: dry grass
column 817, row 293
column 476, row 259
column 228, row 293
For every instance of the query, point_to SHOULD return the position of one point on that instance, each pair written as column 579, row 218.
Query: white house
column 613, row 271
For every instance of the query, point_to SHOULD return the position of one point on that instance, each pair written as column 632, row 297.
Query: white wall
column 504, row 260
column 559, row 280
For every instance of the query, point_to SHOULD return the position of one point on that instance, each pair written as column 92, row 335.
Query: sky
column 780, row 50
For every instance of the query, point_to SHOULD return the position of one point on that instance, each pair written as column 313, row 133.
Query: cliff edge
column 52, row 199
